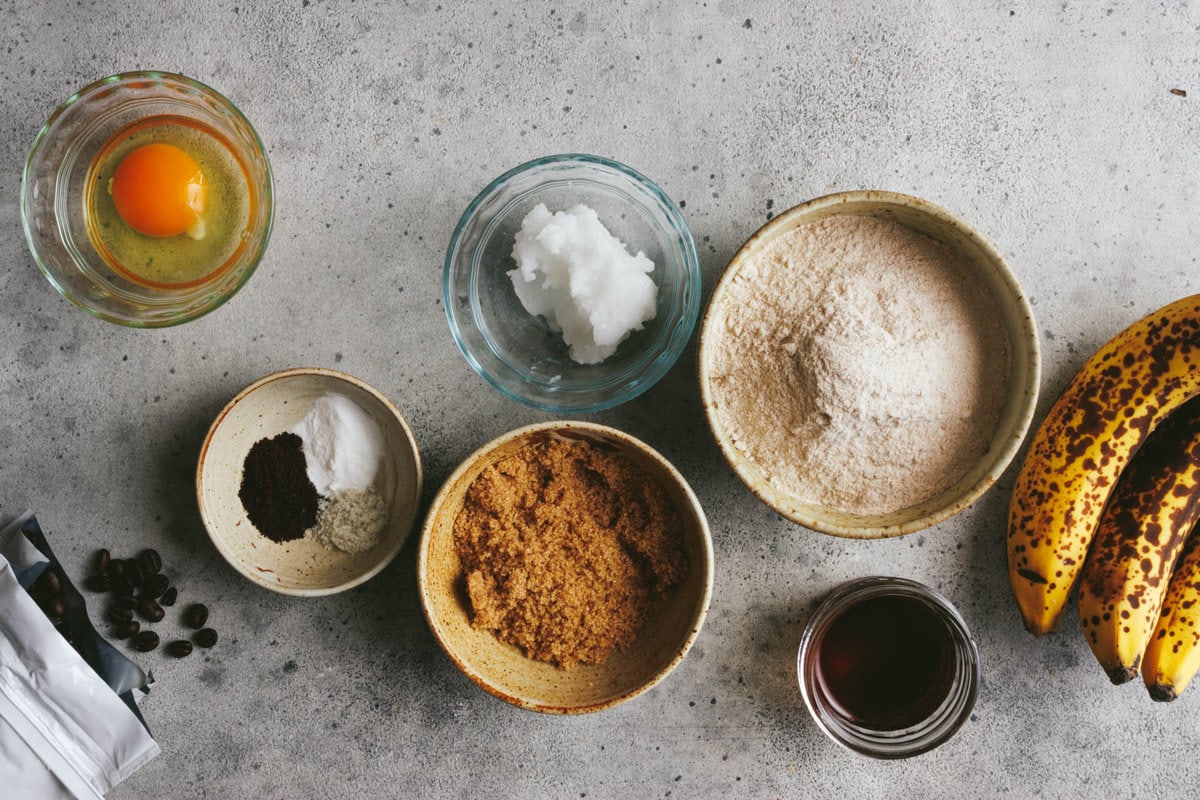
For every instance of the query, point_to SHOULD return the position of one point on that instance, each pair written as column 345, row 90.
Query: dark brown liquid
column 886, row 663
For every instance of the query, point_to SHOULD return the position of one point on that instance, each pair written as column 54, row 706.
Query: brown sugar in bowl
column 503, row 669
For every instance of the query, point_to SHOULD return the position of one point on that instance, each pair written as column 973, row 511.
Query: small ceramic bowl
column 59, row 180
column 304, row 567
column 503, row 669
column 517, row 352
column 1021, row 388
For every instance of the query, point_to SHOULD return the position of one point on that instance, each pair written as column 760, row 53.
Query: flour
column 859, row 364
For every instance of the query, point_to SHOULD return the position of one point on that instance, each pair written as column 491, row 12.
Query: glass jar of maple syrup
column 888, row 668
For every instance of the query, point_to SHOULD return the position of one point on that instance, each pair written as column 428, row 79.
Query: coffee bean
column 103, row 560
column 123, row 585
column 180, row 648
column 205, row 638
column 150, row 562
column 196, row 615
column 124, row 630
column 99, row 583
column 54, row 608
column 134, row 572
column 145, row 641
column 150, row 610
column 155, row 586
column 48, row 582
column 116, row 569
column 124, row 600
column 169, row 597
column 120, row 614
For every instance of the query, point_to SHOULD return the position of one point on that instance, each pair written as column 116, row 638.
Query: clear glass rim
column 942, row 724
column 629, row 382
column 166, row 317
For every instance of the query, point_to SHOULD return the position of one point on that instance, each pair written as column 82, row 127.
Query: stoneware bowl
column 1022, row 386
column 267, row 408
column 504, row 670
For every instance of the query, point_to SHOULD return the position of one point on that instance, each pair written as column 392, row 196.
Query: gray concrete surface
column 1051, row 127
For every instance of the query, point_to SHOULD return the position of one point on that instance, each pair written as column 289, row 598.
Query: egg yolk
column 159, row 190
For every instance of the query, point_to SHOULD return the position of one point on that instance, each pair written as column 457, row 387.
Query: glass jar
column 887, row 667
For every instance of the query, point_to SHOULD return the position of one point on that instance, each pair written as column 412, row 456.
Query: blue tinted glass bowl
column 517, row 352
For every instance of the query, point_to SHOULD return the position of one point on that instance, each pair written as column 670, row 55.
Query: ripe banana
column 1119, row 395
column 1142, row 530
column 1173, row 655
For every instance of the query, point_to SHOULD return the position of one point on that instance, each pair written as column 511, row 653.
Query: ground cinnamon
column 563, row 548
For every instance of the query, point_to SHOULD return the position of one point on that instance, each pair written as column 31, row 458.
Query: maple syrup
column 886, row 663
column 887, row 667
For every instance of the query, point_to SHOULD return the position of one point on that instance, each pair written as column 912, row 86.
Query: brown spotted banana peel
column 1142, row 530
column 1172, row 657
column 1118, row 396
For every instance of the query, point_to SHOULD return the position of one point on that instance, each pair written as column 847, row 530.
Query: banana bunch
column 1064, row 499
column 1141, row 533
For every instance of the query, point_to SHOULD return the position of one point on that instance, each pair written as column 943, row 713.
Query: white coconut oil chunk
column 583, row 280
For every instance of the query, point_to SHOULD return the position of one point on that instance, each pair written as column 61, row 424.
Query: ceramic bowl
column 517, row 352
column 58, row 182
column 271, row 406
column 504, row 670
column 1021, row 388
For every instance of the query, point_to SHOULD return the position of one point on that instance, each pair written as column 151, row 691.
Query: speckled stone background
column 1052, row 128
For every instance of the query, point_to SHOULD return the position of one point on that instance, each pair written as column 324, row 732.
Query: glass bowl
column 517, row 352
column 956, row 658
column 55, row 197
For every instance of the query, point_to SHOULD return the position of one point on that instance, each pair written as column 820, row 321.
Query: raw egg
column 158, row 190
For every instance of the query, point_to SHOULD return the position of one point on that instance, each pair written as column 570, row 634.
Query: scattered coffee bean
column 48, row 582
column 145, row 641
column 169, row 597
column 205, row 638
column 124, row 600
column 120, row 614
column 54, row 608
column 134, row 572
column 122, row 585
column 116, row 569
column 196, row 615
column 150, row 562
column 155, row 586
column 124, row 630
column 99, row 583
column 103, row 560
column 150, row 610
column 180, row 648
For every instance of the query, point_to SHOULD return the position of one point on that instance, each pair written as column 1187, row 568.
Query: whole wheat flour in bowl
column 854, row 366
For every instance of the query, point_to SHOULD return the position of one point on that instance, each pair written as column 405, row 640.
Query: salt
column 583, row 280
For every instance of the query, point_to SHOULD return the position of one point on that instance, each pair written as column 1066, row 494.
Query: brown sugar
column 563, row 548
